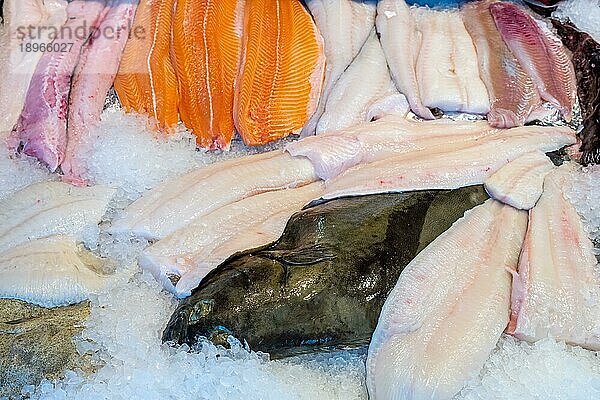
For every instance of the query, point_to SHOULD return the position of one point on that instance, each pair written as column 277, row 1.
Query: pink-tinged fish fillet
column 399, row 37
column 540, row 53
column 335, row 152
column 556, row 291
column 449, row 308
column 443, row 169
column 520, row 183
column 183, row 258
column 42, row 126
column 16, row 65
column 92, row 80
column 176, row 203
column 513, row 95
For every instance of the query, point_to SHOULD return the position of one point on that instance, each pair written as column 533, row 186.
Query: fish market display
column 365, row 81
column 49, row 208
column 324, row 281
column 176, row 203
column 207, row 59
column 49, row 272
column 540, row 53
column 400, row 42
column 41, row 130
column 93, row 78
column 447, row 311
column 335, row 152
column 512, row 93
column 556, row 288
column 439, row 169
column 17, row 66
column 345, row 26
column 281, row 73
column 182, row 258
column 520, row 183
column 446, row 67
column 146, row 81
column 586, row 60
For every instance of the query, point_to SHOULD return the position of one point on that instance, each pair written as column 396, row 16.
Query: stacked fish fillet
column 40, row 226
column 255, row 67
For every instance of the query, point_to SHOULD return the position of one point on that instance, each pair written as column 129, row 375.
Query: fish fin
column 303, row 256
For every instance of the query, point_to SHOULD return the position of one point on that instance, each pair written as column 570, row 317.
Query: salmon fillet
column 146, row 80
column 207, row 39
column 281, row 74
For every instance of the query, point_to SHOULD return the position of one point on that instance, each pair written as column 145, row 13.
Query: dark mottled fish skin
column 586, row 59
column 323, row 283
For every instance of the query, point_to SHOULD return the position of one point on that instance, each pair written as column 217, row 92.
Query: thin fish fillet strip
column 449, row 308
column 556, row 289
column 175, row 204
column 440, row 169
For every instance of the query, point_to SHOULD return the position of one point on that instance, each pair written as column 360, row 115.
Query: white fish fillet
column 441, row 169
column 50, row 208
column 345, row 26
column 399, row 39
column 556, row 291
column 255, row 235
column 187, row 254
column 49, row 272
column 449, row 308
column 335, row 152
column 17, row 65
column 365, row 81
column 175, row 204
column 474, row 92
column 447, row 67
column 520, row 183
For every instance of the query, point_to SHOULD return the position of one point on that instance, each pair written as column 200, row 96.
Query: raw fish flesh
column 365, row 81
column 512, row 93
column 520, row 183
column 394, row 104
column 146, row 81
column 49, row 208
column 441, row 169
column 182, row 258
column 207, row 45
column 400, row 39
column 540, row 53
column 335, row 152
column 556, row 290
column 41, row 130
column 345, row 26
column 175, row 204
column 281, row 72
column 49, row 272
column 93, row 78
column 322, row 284
column 17, row 66
column 447, row 311
column 446, row 67
column 586, row 60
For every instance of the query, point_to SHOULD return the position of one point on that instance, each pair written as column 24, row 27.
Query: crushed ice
column 585, row 14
